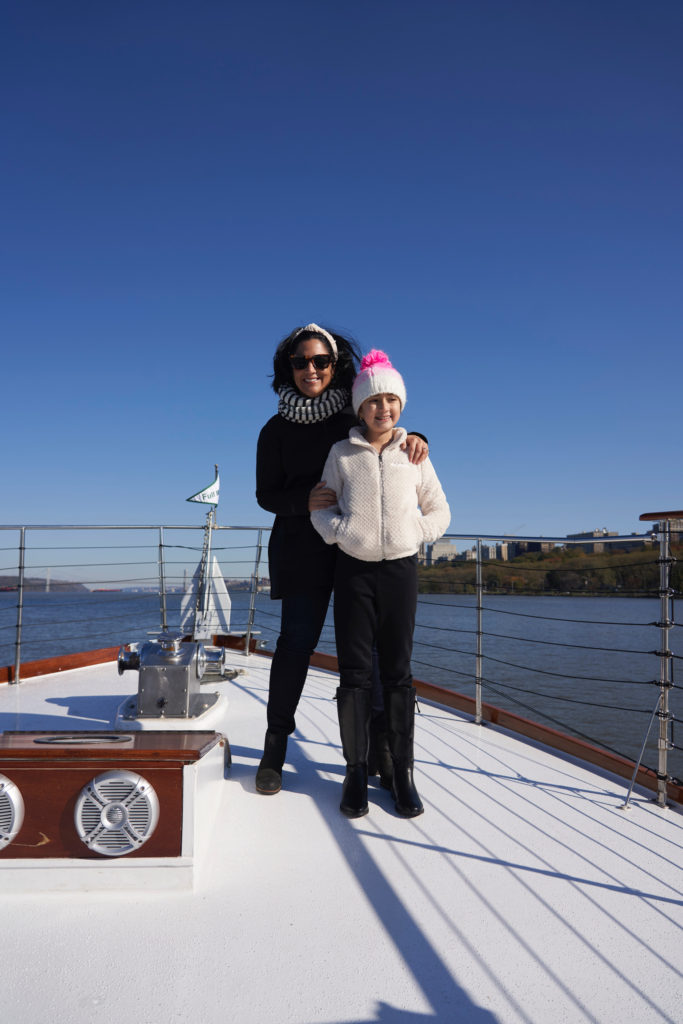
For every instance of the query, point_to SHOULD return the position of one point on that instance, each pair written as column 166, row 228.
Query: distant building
column 633, row 545
column 522, row 547
column 592, row 545
column 467, row 556
column 676, row 527
column 441, row 551
column 502, row 553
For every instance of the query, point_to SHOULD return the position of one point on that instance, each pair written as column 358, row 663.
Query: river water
column 584, row 665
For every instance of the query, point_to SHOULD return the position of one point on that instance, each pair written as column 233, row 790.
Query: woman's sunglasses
column 320, row 362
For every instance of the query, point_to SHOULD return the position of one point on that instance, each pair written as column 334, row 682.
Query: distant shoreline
column 35, row 583
column 569, row 573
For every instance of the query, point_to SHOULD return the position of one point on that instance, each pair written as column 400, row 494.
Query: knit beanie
column 377, row 377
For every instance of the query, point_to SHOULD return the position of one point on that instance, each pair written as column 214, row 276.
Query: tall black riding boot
column 353, row 708
column 269, row 774
column 400, row 705
column 379, row 755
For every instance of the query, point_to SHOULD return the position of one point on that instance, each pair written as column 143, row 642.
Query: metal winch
column 171, row 671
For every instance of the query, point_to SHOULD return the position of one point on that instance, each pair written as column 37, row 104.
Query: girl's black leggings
column 375, row 602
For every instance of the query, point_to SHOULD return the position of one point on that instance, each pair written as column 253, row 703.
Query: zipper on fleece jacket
column 381, row 501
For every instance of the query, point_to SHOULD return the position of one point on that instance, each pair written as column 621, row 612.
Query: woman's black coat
column 289, row 462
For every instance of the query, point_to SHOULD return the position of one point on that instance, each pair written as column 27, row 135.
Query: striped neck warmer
column 296, row 408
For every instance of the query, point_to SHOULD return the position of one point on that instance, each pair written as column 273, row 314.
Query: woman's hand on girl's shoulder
column 321, row 497
column 416, row 448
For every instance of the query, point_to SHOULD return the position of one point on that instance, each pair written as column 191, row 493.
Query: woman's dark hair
column 348, row 358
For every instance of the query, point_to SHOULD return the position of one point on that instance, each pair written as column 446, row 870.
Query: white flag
column 209, row 496
column 202, row 625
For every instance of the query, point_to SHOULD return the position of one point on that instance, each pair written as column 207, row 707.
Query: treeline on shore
column 564, row 571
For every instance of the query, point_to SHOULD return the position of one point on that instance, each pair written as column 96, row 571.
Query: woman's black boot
column 379, row 755
column 400, row 705
column 353, row 708
column 269, row 774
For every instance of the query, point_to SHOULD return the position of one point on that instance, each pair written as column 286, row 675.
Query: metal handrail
column 23, row 529
column 20, row 604
column 665, row 624
column 252, row 596
column 665, row 593
column 483, row 536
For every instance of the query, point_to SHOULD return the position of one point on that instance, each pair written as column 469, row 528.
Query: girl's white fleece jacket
column 386, row 506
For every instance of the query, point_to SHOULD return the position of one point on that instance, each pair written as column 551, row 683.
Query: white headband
column 314, row 329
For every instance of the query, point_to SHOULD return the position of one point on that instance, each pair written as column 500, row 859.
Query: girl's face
column 311, row 380
column 380, row 413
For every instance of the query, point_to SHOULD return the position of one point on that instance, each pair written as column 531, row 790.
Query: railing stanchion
column 665, row 623
column 252, row 597
column 480, row 619
column 20, row 605
column 162, row 580
column 666, row 594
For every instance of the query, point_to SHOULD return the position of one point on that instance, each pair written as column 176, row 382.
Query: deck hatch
column 82, row 739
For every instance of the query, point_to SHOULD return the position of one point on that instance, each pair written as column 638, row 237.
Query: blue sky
column 490, row 191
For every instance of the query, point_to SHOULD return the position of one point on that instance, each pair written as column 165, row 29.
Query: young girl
column 386, row 508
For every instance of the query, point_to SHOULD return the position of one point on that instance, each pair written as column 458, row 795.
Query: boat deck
column 523, row 894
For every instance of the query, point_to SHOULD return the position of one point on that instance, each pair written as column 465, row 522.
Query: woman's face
column 311, row 381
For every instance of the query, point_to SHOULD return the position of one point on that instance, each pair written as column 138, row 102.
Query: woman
column 313, row 373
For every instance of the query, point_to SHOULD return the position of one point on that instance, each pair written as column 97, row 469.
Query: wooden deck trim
column 649, row 517
column 172, row 747
column 60, row 663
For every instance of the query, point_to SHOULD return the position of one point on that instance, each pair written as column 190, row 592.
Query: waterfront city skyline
column 489, row 192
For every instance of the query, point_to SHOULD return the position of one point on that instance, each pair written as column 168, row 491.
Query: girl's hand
column 417, row 449
column 321, row 497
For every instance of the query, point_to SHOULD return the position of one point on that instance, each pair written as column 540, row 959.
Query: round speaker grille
column 11, row 811
column 116, row 813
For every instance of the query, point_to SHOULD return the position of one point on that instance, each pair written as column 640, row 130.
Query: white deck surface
column 523, row 894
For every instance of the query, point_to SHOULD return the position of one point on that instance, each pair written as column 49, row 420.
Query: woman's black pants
column 303, row 616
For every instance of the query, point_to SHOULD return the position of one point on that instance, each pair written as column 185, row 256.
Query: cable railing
column 563, row 638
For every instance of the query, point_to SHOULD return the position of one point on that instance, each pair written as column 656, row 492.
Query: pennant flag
column 209, row 496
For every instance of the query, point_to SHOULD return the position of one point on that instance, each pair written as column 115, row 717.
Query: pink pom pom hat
column 377, row 377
